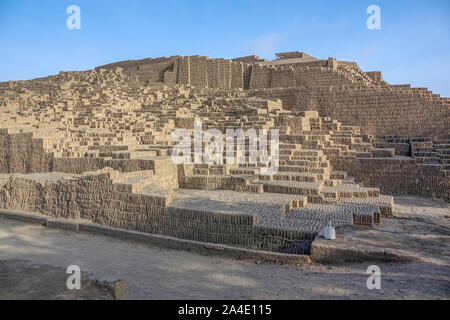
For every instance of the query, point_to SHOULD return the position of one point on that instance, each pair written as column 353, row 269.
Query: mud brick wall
column 247, row 76
column 316, row 77
column 4, row 151
column 129, row 165
column 260, row 77
column 282, row 240
column 197, row 225
column 378, row 112
column 165, row 173
column 214, row 183
column 298, row 125
column 282, row 77
column 120, row 64
column 184, row 70
column 396, row 176
column 212, row 72
column 348, row 64
column 248, row 59
column 170, row 77
column 55, row 200
column 401, row 148
column 289, row 96
column 184, row 170
column 385, row 110
column 80, row 165
column 224, row 73
column 154, row 72
column 20, row 153
column 324, row 85
column 171, row 74
column 198, row 71
column 93, row 198
column 237, row 75
column 77, row 165
column 375, row 75
column 202, row 72
column 382, row 112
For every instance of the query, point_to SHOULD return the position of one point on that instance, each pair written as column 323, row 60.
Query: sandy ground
column 154, row 273
column 420, row 231
column 26, row 280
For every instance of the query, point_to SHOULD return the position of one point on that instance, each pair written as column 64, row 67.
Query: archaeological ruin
column 97, row 145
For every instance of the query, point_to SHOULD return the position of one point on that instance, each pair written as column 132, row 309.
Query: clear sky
column 413, row 45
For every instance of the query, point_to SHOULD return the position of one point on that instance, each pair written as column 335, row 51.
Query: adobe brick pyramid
column 96, row 146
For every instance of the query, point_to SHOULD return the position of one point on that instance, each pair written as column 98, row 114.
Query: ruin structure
column 96, row 146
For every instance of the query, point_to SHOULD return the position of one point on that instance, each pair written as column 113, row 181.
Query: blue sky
column 413, row 45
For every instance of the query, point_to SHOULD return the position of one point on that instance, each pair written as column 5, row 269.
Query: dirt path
column 154, row 273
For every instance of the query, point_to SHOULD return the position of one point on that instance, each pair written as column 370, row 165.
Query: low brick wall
column 93, row 198
column 159, row 240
